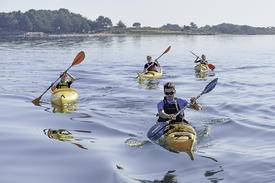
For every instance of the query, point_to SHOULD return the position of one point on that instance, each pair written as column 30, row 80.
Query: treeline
column 63, row 21
column 59, row 21
column 223, row 28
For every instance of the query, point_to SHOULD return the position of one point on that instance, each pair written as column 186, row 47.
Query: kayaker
column 202, row 60
column 170, row 105
column 151, row 66
column 63, row 83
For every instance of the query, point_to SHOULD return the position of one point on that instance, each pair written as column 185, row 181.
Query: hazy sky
column 156, row 13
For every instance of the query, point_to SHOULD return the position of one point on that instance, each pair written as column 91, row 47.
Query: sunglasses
column 169, row 93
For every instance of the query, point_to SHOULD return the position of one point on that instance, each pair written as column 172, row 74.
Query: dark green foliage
column 136, row 25
column 120, row 24
column 63, row 21
column 171, row 26
column 226, row 28
column 59, row 21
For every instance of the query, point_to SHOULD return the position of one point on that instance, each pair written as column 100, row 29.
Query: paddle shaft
column 78, row 59
column 211, row 66
column 55, row 81
column 209, row 87
column 169, row 47
column 158, row 129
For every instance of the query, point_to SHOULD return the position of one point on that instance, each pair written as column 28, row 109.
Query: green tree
column 136, row 25
column 120, row 24
column 193, row 26
column 171, row 26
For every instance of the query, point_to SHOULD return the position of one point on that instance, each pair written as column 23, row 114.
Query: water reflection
column 61, row 134
column 149, row 84
column 65, row 135
column 211, row 173
column 204, row 74
column 65, row 108
column 169, row 177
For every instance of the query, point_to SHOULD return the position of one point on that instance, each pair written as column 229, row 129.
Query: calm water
column 104, row 138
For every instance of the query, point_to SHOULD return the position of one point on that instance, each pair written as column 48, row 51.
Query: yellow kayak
column 180, row 137
column 201, row 68
column 151, row 75
column 64, row 96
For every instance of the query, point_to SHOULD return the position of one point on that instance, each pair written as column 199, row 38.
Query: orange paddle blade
column 79, row 58
column 167, row 50
column 36, row 101
column 212, row 67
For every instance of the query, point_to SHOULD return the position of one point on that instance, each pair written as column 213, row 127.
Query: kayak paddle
column 169, row 47
column 157, row 130
column 78, row 59
column 210, row 66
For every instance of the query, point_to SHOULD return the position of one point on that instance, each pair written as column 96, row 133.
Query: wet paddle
column 210, row 66
column 157, row 130
column 78, row 59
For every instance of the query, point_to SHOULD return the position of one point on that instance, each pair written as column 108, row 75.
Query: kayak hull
column 180, row 137
column 150, row 75
column 201, row 68
column 64, row 96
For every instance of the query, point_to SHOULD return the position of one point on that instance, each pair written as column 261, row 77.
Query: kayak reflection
column 64, row 108
column 150, row 84
column 204, row 74
column 64, row 135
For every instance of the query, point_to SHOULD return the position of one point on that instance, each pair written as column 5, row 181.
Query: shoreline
column 116, row 34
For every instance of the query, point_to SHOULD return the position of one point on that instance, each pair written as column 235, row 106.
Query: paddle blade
column 167, row 50
column 212, row 67
column 210, row 86
column 79, row 58
column 156, row 131
column 36, row 101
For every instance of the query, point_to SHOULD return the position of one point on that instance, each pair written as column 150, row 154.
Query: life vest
column 152, row 67
column 204, row 62
column 171, row 109
column 62, row 85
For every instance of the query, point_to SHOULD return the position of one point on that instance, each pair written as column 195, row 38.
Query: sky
column 155, row 13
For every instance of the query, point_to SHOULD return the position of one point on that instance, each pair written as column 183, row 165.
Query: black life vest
column 171, row 109
column 63, row 85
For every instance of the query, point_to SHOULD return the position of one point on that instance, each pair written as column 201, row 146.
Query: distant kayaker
column 202, row 60
column 170, row 105
column 151, row 66
column 63, row 83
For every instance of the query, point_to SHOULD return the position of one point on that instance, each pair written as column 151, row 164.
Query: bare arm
column 194, row 105
column 156, row 61
column 72, row 78
column 53, row 87
column 197, row 60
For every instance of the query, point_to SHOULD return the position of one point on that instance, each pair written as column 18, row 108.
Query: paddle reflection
column 65, row 135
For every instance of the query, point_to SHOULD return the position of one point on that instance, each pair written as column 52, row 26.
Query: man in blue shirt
column 170, row 105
